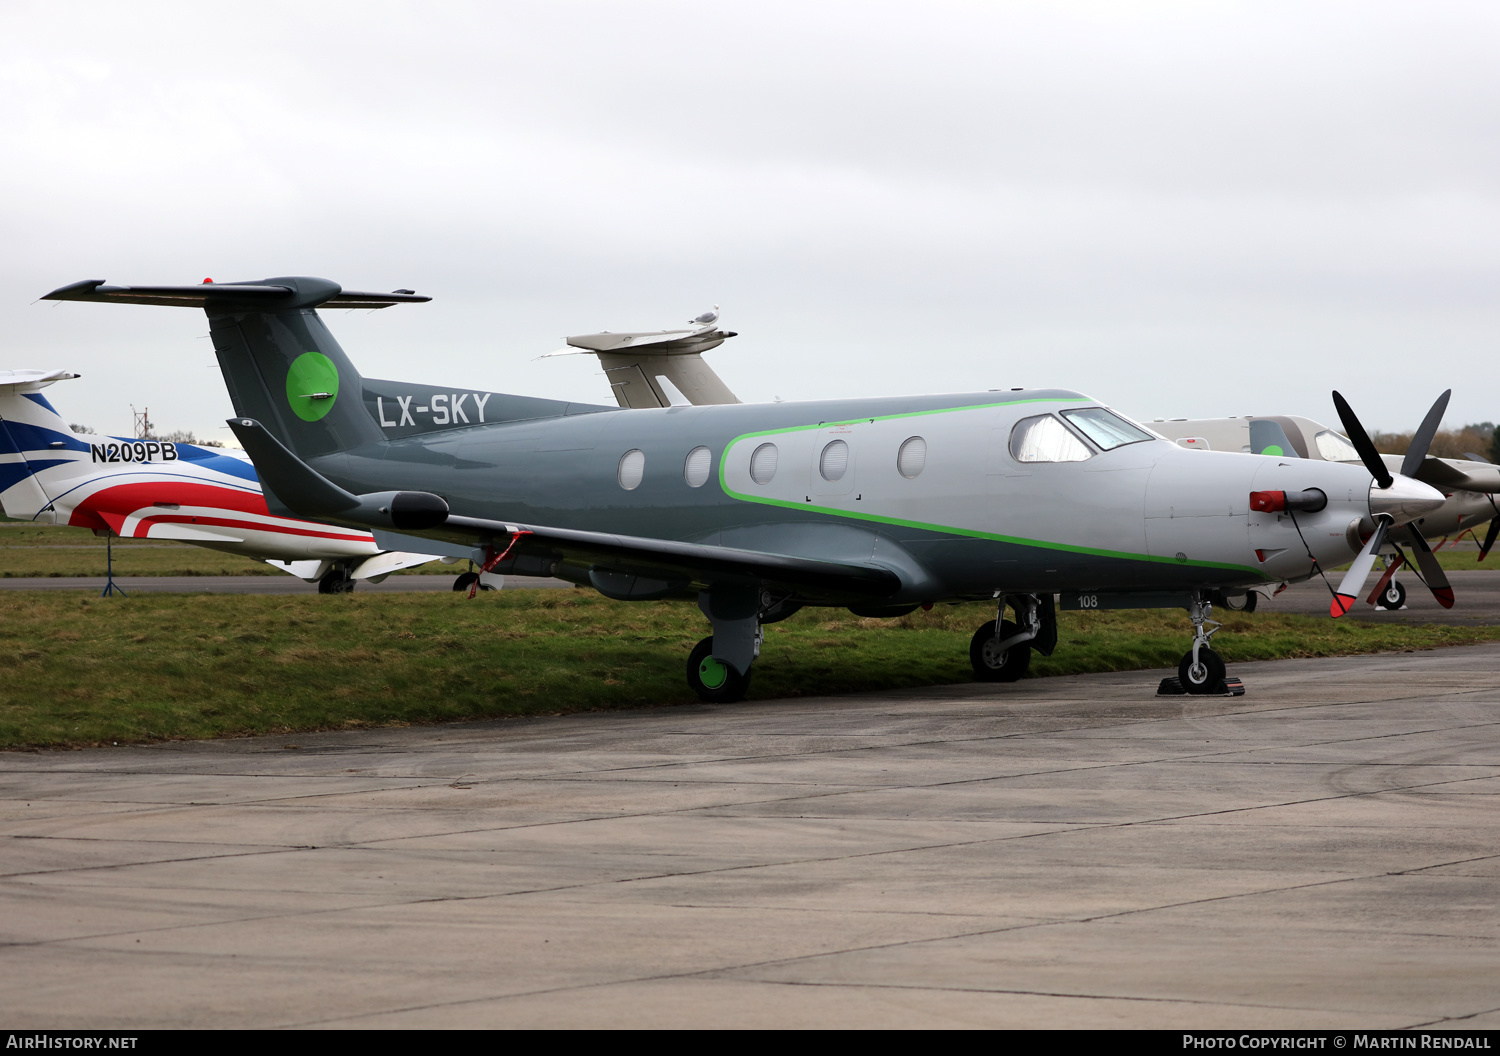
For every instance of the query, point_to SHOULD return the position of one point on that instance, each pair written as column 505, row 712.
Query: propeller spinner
column 1395, row 501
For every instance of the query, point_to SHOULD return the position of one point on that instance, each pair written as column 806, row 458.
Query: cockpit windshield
column 1106, row 428
column 1334, row 447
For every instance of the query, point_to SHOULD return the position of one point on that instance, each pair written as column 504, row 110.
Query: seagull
column 707, row 318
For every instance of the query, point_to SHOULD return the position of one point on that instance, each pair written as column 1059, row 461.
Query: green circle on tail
column 712, row 673
column 1272, row 449
column 312, row 386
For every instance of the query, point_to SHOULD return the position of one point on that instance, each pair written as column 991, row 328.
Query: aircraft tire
column 465, row 581
column 715, row 682
column 335, row 581
column 1208, row 677
column 1392, row 597
column 989, row 666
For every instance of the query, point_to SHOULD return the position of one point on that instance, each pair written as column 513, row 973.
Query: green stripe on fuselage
column 944, row 529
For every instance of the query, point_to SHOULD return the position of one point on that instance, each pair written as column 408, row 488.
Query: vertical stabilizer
column 285, row 370
column 33, row 437
column 281, row 365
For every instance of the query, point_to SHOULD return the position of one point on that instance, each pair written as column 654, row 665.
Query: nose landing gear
column 1393, row 597
column 1202, row 670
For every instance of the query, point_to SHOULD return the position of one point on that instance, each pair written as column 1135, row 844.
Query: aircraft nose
column 1405, row 500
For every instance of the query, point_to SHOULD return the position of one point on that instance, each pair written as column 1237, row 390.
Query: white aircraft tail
column 659, row 368
column 33, row 437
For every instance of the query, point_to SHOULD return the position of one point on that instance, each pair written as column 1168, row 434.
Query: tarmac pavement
column 1067, row 852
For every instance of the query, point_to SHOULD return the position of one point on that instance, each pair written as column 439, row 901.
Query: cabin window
column 695, row 470
column 1045, row 439
column 912, row 457
column 1106, row 428
column 763, row 464
column 1334, row 448
column 632, row 468
column 834, row 462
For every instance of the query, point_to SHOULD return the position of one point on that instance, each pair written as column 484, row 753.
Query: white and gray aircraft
column 880, row 505
column 1469, row 486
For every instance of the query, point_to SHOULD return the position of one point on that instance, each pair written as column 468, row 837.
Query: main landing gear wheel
column 714, row 681
column 335, row 581
column 1244, row 604
column 1392, row 597
column 467, row 580
column 1206, row 676
column 998, row 665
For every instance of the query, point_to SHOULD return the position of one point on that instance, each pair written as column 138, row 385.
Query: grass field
column 31, row 550
column 28, row 550
column 85, row 670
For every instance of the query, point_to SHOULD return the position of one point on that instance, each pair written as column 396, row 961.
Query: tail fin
column 282, row 366
column 30, row 431
column 660, row 367
column 285, row 370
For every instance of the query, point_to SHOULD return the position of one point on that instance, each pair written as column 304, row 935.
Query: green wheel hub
column 712, row 673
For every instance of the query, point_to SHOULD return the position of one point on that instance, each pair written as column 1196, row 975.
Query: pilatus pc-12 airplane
column 756, row 510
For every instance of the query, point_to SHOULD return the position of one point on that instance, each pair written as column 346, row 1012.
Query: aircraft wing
column 305, row 492
column 1449, row 474
column 671, row 560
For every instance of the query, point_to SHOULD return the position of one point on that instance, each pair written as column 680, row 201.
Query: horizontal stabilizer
column 257, row 296
column 653, row 343
column 32, row 380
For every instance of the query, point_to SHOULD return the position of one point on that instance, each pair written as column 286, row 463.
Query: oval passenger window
column 834, row 461
column 632, row 468
column 763, row 464
column 695, row 470
column 912, row 456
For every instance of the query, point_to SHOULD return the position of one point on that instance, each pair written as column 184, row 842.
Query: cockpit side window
column 1045, row 439
column 1106, row 428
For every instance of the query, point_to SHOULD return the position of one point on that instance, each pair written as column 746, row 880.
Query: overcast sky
column 1183, row 209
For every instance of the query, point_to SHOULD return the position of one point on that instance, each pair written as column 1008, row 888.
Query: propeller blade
column 1432, row 572
column 1489, row 537
column 1361, row 441
column 1422, row 439
column 1354, row 579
